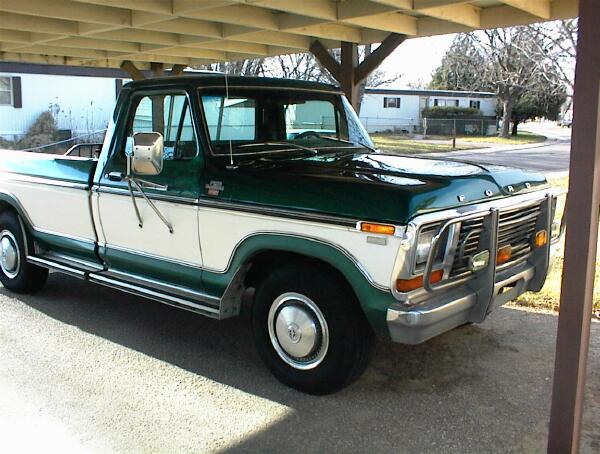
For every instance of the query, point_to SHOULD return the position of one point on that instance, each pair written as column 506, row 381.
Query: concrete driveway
column 88, row 369
column 551, row 158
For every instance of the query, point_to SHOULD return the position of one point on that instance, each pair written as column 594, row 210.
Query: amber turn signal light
column 407, row 285
column 541, row 238
column 383, row 229
column 504, row 254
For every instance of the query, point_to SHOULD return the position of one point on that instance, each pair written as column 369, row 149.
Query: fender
column 10, row 199
column 373, row 298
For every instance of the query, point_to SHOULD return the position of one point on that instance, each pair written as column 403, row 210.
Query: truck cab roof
column 220, row 80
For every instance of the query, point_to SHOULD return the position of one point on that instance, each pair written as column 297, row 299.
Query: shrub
column 42, row 132
column 450, row 112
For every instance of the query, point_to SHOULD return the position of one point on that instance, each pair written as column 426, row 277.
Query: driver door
column 142, row 247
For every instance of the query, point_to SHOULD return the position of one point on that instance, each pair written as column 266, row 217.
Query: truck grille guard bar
column 483, row 281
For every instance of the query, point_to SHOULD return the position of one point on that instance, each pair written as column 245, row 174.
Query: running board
column 209, row 308
column 199, row 303
column 52, row 265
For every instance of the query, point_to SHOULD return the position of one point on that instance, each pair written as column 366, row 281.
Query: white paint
column 120, row 228
column 407, row 117
column 81, row 104
column 55, row 209
column 222, row 230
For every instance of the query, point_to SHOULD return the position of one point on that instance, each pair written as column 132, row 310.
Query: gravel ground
column 87, row 369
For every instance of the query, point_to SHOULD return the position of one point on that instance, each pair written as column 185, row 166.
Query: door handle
column 115, row 176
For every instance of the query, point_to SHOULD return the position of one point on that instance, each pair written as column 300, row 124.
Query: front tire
column 309, row 329
column 16, row 274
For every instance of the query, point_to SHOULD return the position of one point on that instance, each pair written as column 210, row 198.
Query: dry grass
column 399, row 144
column 549, row 297
column 521, row 138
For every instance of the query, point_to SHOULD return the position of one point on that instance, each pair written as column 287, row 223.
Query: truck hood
column 372, row 186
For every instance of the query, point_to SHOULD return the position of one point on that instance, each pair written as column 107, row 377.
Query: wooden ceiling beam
column 539, row 8
column 464, row 14
column 65, row 10
column 320, row 9
column 389, row 22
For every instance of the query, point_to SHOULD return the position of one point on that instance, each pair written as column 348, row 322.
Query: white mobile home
column 81, row 101
column 385, row 109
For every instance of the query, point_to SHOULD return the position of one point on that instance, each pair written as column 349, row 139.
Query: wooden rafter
column 113, row 30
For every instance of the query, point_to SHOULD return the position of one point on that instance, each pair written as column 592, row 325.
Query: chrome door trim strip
column 13, row 176
column 348, row 255
column 234, row 206
column 64, row 235
column 278, row 212
column 157, row 296
column 152, row 196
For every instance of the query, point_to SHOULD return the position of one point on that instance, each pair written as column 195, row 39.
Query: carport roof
column 103, row 33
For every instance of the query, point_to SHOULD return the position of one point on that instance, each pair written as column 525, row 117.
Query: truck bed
column 68, row 169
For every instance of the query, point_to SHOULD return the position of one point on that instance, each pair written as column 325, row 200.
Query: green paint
column 154, row 268
column 373, row 301
column 53, row 167
column 74, row 248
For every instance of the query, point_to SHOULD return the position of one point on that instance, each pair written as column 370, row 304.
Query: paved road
column 552, row 158
column 88, row 369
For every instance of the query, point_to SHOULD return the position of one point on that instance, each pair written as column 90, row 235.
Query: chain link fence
column 460, row 126
column 391, row 125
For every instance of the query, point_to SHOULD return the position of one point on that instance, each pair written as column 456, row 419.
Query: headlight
column 424, row 246
column 558, row 209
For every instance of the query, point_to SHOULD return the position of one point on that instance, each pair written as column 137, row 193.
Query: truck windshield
column 250, row 121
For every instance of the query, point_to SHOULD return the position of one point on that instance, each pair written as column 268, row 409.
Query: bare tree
column 556, row 44
column 507, row 61
column 302, row 66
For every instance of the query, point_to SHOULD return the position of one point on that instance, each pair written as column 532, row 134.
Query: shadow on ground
column 477, row 388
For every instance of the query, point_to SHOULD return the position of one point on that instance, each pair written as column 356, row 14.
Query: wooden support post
column 131, row 69
column 158, row 102
column 348, row 72
column 158, row 69
column 177, row 70
column 376, row 58
column 574, row 321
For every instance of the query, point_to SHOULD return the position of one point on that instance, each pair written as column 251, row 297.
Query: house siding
column 80, row 104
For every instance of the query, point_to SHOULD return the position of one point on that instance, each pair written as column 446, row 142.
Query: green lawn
column 549, row 297
column 521, row 138
column 399, row 144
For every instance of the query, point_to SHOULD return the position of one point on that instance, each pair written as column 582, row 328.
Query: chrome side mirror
column 147, row 154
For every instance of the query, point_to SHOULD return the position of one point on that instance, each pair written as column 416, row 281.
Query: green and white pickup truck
column 212, row 192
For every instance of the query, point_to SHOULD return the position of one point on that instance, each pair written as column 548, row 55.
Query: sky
column 416, row 59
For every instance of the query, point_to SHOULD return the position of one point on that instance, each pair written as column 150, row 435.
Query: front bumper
column 455, row 308
column 448, row 307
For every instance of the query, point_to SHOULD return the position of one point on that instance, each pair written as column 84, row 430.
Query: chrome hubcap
column 298, row 331
column 10, row 258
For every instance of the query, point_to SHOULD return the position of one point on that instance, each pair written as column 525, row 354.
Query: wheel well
column 263, row 263
column 5, row 206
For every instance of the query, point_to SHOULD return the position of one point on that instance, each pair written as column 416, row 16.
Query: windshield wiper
column 273, row 144
column 349, row 142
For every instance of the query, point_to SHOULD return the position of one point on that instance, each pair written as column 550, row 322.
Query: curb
column 493, row 149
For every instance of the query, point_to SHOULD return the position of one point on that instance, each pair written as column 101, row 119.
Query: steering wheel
column 305, row 134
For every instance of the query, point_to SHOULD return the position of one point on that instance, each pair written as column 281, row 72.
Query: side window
column 232, row 118
column 169, row 115
column 311, row 116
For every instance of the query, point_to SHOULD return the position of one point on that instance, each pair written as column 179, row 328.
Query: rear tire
column 16, row 274
column 309, row 329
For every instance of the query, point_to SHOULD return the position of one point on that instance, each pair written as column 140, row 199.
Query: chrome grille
column 516, row 228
